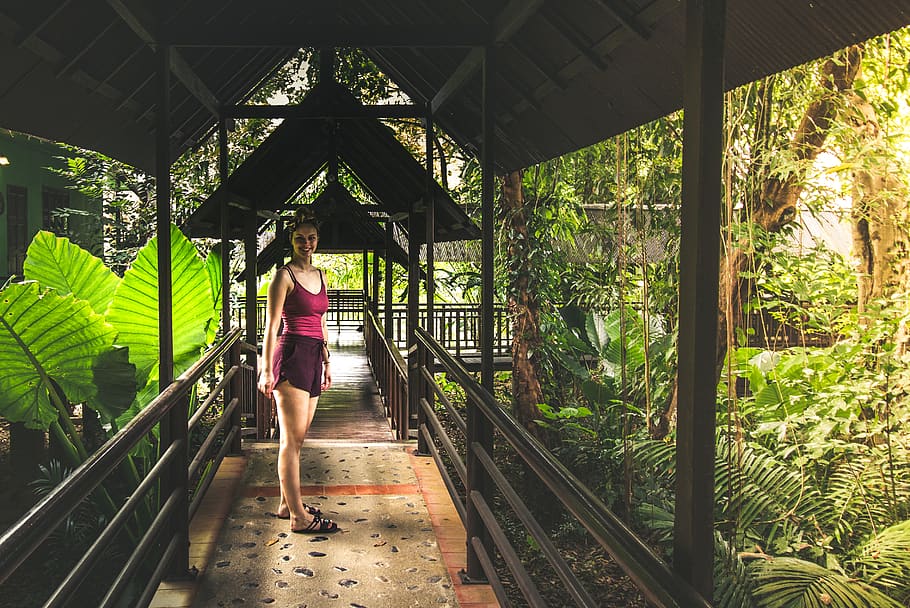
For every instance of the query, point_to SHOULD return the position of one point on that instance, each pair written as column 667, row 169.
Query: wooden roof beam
column 333, row 35
column 31, row 29
column 567, row 31
column 179, row 66
column 506, row 24
column 294, row 111
column 624, row 17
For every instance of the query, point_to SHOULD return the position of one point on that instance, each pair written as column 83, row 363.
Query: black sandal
column 315, row 511
column 318, row 525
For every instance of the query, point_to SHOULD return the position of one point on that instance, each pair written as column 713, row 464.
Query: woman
column 295, row 366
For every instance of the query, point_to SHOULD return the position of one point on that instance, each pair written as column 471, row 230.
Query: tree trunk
column 880, row 213
column 523, row 306
column 775, row 204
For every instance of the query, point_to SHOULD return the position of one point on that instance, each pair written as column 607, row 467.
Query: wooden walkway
column 351, row 410
column 401, row 541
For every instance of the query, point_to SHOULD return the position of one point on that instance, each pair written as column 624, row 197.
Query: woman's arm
column 327, row 369
column 278, row 290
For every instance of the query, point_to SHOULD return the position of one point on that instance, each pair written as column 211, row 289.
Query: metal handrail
column 657, row 581
column 25, row 536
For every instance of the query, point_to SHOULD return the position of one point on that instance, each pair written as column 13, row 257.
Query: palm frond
column 787, row 582
column 884, row 561
column 866, row 490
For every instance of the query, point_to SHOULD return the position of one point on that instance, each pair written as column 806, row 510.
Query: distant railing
column 479, row 475
column 164, row 500
column 455, row 326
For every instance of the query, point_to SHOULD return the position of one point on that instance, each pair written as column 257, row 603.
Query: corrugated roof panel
column 552, row 90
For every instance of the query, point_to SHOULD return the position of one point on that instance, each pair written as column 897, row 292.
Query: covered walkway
column 401, row 541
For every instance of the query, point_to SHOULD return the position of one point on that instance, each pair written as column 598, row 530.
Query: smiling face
column 304, row 240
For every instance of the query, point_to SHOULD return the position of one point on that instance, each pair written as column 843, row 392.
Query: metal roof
column 568, row 73
column 299, row 148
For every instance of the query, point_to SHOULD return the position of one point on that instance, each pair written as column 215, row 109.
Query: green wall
column 29, row 159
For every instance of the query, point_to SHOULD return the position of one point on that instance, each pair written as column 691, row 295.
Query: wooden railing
column 455, row 326
column 154, row 514
column 390, row 371
column 485, row 419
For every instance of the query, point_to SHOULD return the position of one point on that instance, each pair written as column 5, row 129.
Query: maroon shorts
column 298, row 359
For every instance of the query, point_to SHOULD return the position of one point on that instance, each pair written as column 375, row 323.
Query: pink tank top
column 303, row 310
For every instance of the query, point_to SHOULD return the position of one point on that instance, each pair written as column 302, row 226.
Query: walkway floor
column 401, row 542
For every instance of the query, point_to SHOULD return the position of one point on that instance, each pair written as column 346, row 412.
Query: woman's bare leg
column 282, row 510
column 295, row 414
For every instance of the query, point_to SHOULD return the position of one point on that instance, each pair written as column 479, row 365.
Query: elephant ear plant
column 73, row 332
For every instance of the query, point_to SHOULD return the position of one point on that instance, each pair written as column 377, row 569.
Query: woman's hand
column 326, row 376
column 265, row 381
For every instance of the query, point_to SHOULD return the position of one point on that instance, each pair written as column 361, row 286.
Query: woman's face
column 304, row 240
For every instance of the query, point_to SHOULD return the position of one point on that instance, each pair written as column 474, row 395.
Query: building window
column 16, row 228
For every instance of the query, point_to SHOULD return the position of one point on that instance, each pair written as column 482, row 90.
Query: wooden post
column 426, row 358
column 480, row 429
column 414, row 378
column 173, row 427
column 693, row 553
column 389, row 242
column 374, row 298
column 225, row 228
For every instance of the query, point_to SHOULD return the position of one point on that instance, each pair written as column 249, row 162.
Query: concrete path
column 401, row 542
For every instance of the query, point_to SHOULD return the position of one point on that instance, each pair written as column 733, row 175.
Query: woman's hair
column 303, row 216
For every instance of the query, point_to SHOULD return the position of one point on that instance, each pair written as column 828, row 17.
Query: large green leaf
column 44, row 337
column 213, row 269
column 134, row 309
column 115, row 378
column 597, row 333
column 56, row 262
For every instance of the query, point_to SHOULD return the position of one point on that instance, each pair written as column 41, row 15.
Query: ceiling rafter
column 31, row 30
column 74, row 60
column 179, row 66
column 472, row 106
column 261, row 60
column 554, row 78
column 29, row 38
column 625, row 17
column 509, row 21
column 127, row 59
column 399, row 110
column 604, row 47
column 338, row 35
column 567, row 31
column 462, row 74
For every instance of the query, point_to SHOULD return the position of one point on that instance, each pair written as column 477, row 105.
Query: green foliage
column 68, row 269
column 884, row 560
column 567, row 419
column 812, row 291
column 213, row 270
column 57, row 350
column 84, row 524
column 787, row 582
column 46, row 340
column 134, row 309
